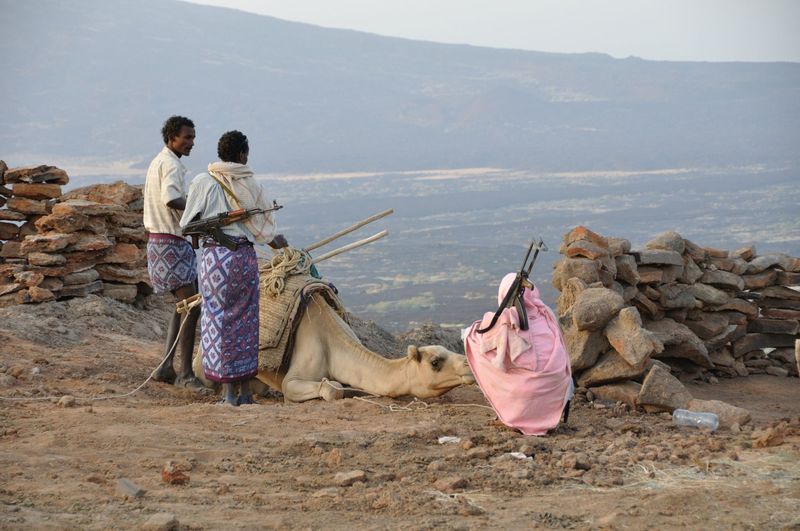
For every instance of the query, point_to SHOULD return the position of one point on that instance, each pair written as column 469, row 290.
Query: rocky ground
column 366, row 463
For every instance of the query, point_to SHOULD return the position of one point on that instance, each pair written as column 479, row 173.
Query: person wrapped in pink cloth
column 524, row 374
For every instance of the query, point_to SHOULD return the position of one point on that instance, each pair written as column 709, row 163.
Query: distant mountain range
column 96, row 79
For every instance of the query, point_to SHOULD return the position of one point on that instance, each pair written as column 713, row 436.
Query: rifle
column 517, row 289
column 212, row 226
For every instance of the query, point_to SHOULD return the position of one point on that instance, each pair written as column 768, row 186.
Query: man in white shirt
column 171, row 261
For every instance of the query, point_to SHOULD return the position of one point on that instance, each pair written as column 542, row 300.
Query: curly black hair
column 172, row 127
column 230, row 145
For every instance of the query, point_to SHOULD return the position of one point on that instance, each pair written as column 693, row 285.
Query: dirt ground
column 369, row 463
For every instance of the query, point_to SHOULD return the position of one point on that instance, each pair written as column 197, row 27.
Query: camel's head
column 434, row 370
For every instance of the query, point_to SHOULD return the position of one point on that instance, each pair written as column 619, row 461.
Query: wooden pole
column 350, row 246
column 349, row 229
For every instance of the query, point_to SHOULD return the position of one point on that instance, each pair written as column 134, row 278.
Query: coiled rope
column 290, row 262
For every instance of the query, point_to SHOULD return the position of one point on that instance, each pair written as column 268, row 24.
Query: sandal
column 193, row 384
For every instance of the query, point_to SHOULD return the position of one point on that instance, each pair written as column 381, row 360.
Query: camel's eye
column 436, row 363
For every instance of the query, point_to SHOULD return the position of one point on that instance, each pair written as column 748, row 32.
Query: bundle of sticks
column 348, row 230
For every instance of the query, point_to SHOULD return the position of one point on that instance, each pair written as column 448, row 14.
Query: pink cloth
column 524, row 374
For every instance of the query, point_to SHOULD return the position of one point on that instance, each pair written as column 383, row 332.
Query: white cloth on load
column 164, row 183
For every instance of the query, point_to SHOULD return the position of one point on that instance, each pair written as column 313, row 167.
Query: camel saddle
column 278, row 318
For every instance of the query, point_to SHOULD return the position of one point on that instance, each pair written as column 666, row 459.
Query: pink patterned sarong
column 524, row 374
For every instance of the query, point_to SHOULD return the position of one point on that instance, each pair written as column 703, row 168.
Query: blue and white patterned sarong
column 171, row 262
column 229, row 321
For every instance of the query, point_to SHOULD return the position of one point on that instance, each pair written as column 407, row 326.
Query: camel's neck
column 359, row 367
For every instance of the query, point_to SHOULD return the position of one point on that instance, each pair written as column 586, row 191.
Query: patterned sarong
column 229, row 321
column 171, row 262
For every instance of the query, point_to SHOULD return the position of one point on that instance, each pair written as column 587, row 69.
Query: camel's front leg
column 297, row 390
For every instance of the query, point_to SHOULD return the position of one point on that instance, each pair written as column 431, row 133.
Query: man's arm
column 278, row 242
column 177, row 204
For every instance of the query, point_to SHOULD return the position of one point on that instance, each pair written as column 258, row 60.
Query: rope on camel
column 290, row 262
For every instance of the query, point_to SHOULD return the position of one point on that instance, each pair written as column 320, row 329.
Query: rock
column 582, row 268
column 646, row 306
column 679, row 341
column 161, row 522
column 595, row 307
column 345, row 479
column 582, row 233
column 697, row 253
column 691, row 272
column 780, row 292
column 760, row 263
column 63, row 223
column 6, row 289
column 625, row 392
column 46, row 259
column 39, row 294
column 722, row 357
column 745, row 253
column 627, row 269
column 730, row 334
column 777, row 371
column 671, row 273
column 733, row 265
column 760, row 280
column 674, row 296
column 81, row 290
column 629, row 339
column 716, row 253
column 81, row 277
column 785, row 278
column 126, row 253
column 11, row 249
column 8, row 231
column 36, row 174
column 28, row 278
column 118, row 193
column 737, row 305
column 174, row 475
column 451, row 484
column 797, row 354
column 708, row 294
column 662, row 390
column 11, row 215
column 122, row 292
column 726, row 413
column 709, row 325
column 46, row 243
column 585, row 249
column 618, row 246
column 66, row 401
column 29, row 206
column 723, row 279
column 569, row 293
column 780, row 313
column 752, row 342
column 770, row 302
column 668, row 241
column 36, row 191
column 85, row 208
column 327, row 492
column 611, row 367
column 122, row 275
column 584, row 346
column 773, row 326
column 658, row 257
column 87, row 241
column 650, row 275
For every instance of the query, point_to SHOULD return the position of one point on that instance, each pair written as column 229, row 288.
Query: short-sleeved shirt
column 207, row 198
column 164, row 183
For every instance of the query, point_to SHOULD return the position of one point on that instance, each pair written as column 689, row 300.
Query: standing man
column 229, row 277
column 171, row 260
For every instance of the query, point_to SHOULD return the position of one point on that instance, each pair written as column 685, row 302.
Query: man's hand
column 278, row 242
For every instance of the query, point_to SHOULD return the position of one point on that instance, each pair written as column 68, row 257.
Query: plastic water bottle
column 698, row 419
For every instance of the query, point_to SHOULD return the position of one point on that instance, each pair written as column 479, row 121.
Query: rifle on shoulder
column 515, row 292
column 212, row 226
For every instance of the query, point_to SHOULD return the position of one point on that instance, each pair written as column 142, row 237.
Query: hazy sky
column 696, row 30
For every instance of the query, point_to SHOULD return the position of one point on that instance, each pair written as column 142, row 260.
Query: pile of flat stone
column 54, row 246
column 640, row 321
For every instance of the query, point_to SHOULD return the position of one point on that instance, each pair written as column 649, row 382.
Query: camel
column 329, row 362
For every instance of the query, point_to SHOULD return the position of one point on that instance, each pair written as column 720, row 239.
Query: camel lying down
column 329, row 362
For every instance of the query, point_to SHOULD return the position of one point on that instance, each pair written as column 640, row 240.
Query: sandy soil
column 358, row 463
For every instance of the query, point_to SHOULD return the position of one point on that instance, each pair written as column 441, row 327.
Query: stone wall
column 673, row 309
column 54, row 246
